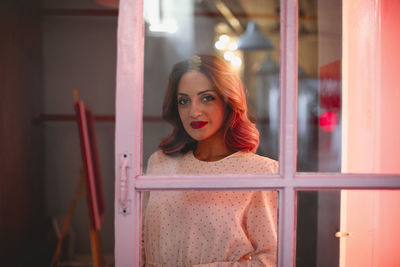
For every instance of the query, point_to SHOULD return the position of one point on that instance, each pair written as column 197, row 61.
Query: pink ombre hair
column 239, row 132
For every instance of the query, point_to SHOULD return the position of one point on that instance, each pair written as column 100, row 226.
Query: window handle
column 342, row 234
column 124, row 201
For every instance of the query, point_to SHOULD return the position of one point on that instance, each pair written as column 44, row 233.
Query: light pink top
column 210, row 228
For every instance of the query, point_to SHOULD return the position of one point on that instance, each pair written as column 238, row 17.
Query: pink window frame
column 128, row 145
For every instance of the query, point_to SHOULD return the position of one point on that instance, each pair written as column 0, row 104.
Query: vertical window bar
column 288, row 81
column 287, row 230
column 288, row 129
column 129, row 91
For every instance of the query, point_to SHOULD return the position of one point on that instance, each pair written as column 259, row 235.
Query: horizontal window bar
column 337, row 175
column 343, row 181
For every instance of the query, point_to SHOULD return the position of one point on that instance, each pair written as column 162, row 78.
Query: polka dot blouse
column 210, row 228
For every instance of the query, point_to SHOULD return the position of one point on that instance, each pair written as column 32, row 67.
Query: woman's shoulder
column 161, row 163
column 159, row 155
column 257, row 164
column 238, row 163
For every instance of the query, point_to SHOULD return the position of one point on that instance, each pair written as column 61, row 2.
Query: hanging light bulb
column 228, row 55
column 224, row 38
column 253, row 39
column 220, row 45
column 232, row 46
column 236, row 61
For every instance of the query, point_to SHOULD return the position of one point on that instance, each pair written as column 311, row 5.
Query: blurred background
column 48, row 48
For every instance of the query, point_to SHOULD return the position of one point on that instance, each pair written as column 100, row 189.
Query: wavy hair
column 240, row 133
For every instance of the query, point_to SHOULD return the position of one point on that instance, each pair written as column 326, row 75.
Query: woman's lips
column 198, row 124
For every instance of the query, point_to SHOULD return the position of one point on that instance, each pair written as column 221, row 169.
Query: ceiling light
column 236, row 61
column 167, row 26
column 253, row 39
column 232, row 46
column 224, row 38
column 229, row 55
column 220, row 45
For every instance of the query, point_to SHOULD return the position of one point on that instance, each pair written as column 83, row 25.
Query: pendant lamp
column 269, row 66
column 253, row 39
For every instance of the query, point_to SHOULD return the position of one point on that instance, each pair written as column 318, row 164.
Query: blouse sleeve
column 144, row 201
column 260, row 224
column 151, row 163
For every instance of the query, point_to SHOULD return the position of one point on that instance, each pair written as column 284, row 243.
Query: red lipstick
column 198, row 124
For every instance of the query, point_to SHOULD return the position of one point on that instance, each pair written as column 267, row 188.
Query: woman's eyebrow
column 205, row 91
column 199, row 93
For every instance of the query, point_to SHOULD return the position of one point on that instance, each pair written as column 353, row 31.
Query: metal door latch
column 342, row 234
column 124, row 201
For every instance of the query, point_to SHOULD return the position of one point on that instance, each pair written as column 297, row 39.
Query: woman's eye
column 208, row 98
column 183, row 101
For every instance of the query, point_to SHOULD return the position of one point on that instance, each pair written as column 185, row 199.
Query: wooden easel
column 81, row 189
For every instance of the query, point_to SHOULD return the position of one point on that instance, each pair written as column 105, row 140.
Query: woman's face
column 200, row 107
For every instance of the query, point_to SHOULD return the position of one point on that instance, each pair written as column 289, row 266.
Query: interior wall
column 78, row 52
column 389, row 157
column 23, row 228
column 390, row 93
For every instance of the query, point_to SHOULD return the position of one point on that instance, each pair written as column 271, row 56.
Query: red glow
column 328, row 121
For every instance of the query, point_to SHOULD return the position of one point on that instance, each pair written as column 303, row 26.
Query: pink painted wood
column 129, row 129
column 288, row 131
column 301, row 181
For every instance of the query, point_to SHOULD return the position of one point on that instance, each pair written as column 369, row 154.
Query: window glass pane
column 319, row 85
column 175, row 30
column 350, row 227
column 187, row 228
column 348, row 87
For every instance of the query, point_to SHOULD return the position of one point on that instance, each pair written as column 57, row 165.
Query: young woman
column 212, row 134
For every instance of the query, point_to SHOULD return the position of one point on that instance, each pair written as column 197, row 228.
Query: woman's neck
column 212, row 149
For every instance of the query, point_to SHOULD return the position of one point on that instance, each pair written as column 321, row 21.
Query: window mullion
column 288, row 82
column 288, row 130
column 286, row 236
column 128, row 132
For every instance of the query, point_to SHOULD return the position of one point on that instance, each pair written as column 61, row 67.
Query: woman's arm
column 260, row 226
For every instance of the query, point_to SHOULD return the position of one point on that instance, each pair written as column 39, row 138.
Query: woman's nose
column 195, row 111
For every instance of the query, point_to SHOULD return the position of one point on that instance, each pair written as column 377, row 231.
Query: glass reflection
column 319, row 86
column 176, row 30
column 187, row 228
column 348, row 89
column 348, row 228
